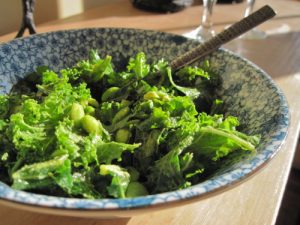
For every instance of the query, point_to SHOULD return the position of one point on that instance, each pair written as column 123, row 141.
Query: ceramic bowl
column 247, row 91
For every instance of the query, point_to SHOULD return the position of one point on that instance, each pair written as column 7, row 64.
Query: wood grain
column 255, row 202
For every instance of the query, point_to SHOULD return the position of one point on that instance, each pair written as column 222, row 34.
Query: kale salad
column 93, row 132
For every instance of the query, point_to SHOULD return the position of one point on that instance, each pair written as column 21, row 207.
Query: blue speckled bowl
column 248, row 92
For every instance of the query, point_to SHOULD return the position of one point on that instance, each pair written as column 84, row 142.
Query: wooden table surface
column 256, row 201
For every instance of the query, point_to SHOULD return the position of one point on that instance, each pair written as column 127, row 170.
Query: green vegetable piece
column 94, row 56
column 134, row 174
column 136, row 189
column 218, row 137
column 77, row 112
column 149, row 148
column 67, row 141
column 84, row 102
column 101, row 68
column 5, row 156
column 138, row 65
column 119, row 182
column 186, row 161
column 195, row 173
column 50, row 77
column 83, row 186
column 159, row 118
column 123, row 135
column 192, row 72
column 108, row 110
column 110, row 93
column 107, row 152
column 151, row 95
column 121, row 114
column 27, row 137
column 146, row 106
column 164, row 96
column 88, row 154
column 217, row 143
column 93, row 102
column 57, row 169
column 91, row 125
column 191, row 92
column 166, row 172
column 90, row 110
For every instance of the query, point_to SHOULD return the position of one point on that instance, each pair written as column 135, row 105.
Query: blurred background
column 45, row 10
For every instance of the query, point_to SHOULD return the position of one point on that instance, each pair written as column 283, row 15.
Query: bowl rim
column 166, row 199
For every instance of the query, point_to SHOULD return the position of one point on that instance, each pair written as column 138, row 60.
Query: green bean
column 121, row 114
column 77, row 112
column 123, row 135
column 136, row 189
column 91, row 125
column 109, row 93
column 164, row 96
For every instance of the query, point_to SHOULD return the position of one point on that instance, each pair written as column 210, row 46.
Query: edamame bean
column 84, row 102
column 150, row 95
column 89, row 110
column 136, row 189
column 121, row 114
column 77, row 112
column 164, row 96
column 91, row 125
column 93, row 102
column 123, row 135
column 109, row 93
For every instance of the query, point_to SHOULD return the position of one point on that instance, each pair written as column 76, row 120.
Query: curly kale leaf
column 193, row 93
column 67, row 141
column 120, row 179
column 218, row 137
column 107, row 152
column 138, row 65
column 167, row 172
column 40, row 175
column 27, row 138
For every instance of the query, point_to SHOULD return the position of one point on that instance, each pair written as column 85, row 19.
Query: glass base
column 203, row 34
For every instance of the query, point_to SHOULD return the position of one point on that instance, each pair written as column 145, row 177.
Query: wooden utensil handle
column 235, row 30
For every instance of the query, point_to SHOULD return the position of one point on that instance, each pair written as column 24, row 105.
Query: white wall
column 45, row 10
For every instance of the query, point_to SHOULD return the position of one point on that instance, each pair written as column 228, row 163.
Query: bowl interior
column 247, row 92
